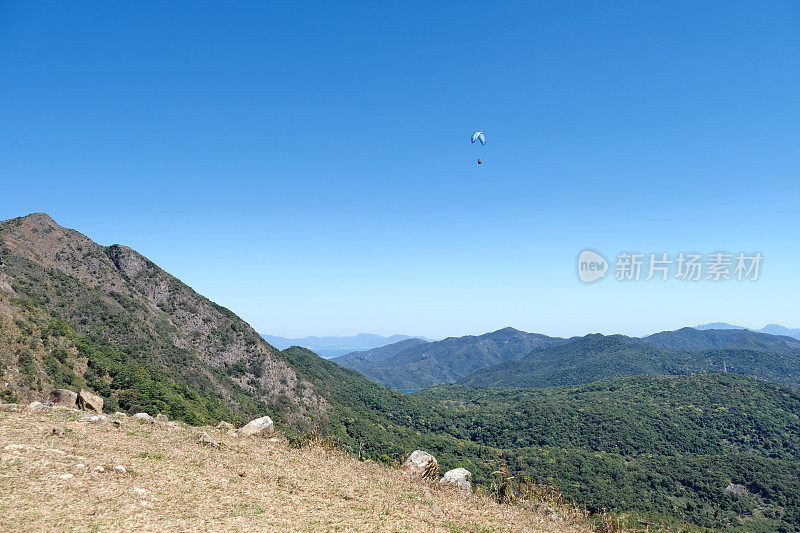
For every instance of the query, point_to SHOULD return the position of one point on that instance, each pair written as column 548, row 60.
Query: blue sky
column 309, row 166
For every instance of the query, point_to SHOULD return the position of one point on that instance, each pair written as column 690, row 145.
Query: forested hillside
column 74, row 314
column 420, row 365
column 596, row 356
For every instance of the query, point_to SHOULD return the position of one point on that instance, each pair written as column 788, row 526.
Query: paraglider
column 481, row 138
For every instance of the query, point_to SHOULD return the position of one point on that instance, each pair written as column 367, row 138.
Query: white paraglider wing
column 479, row 136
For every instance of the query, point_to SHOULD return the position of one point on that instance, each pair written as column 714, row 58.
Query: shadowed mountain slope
column 77, row 314
column 446, row 361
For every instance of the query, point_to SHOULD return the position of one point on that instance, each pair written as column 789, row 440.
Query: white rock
column 421, row 464
column 36, row 406
column 259, row 426
column 144, row 417
column 119, row 469
column 15, row 447
column 140, row 492
column 53, row 451
column 458, row 477
column 99, row 469
column 206, row 439
column 65, row 476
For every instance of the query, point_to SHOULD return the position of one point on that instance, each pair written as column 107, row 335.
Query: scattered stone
column 80, row 466
column 53, row 451
column 65, row 476
column 120, row 414
column 117, row 423
column 99, row 469
column 162, row 417
column 36, row 406
column 144, row 417
column 15, row 447
column 274, row 439
column 59, row 432
column 88, row 401
column 64, row 398
column 206, row 439
column 100, row 420
column 735, row 488
column 437, row 511
column 259, row 426
column 119, row 469
column 458, row 477
column 225, row 425
column 422, row 465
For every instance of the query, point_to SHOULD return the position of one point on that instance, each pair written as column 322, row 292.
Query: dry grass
column 173, row 483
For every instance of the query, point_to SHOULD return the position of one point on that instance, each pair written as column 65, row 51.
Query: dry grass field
column 51, row 482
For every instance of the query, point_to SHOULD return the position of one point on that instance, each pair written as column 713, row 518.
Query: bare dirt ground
column 172, row 482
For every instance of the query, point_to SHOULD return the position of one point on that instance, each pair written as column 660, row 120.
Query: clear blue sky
column 308, row 166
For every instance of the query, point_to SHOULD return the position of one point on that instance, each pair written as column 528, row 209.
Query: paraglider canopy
column 479, row 136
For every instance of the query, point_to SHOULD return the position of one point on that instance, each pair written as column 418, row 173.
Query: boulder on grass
column 144, row 417
column 458, row 477
column 421, row 465
column 206, row 439
column 88, row 401
column 259, row 426
column 63, row 398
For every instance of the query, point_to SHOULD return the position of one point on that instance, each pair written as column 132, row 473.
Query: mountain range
column 510, row 357
column 329, row 347
column 416, row 365
column 772, row 329
column 701, row 448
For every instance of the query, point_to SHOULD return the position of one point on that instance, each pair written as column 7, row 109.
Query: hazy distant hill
column 684, row 351
column 335, row 346
column 772, row 329
column 423, row 365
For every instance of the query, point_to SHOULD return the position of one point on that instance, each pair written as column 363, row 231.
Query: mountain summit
column 78, row 314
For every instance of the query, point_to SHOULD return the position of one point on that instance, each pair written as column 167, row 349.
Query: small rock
column 88, row 401
column 36, row 406
column 53, row 451
column 80, row 466
column 59, row 432
column 63, row 398
column 422, row 465
column 119, row 469
column 273, row 439
column 225, row 425
column 458, row 477
column 65, row 476
column 140, row 492
column 100, row 420
column 99, row 469
column 120, row 414
column 206, row 439
column 259, row 426
column 15, row 447
column 233, row 433
column 144, row 417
